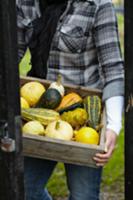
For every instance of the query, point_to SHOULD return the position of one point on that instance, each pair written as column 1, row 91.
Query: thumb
column 107, row 146
column 110, row 140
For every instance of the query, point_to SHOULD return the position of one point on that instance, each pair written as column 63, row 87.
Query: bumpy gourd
column 76, row 117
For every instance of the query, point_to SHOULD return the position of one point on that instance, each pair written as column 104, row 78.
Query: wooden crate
column 60, row 150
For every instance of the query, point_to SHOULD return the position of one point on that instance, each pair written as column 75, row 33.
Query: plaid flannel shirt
column 85, row 49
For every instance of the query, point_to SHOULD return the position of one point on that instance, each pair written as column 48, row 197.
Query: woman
column 79, row 40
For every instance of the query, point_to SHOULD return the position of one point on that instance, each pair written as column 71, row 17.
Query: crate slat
column 60, row 150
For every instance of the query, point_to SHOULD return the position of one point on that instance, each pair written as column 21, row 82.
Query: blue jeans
column 83, row 182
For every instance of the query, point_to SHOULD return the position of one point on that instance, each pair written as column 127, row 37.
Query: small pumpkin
column 58, row 86
column 59, row 129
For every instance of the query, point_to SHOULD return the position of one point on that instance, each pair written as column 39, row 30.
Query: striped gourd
column 43, row 115
column 93, row 106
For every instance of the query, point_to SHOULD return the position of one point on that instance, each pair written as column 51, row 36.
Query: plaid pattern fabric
column 85, row 49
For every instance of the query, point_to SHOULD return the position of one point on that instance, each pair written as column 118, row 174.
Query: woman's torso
column 73, row 52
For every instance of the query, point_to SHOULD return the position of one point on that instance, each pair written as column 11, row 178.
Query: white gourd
column 58, row 86
column 59, row 130
column 33, row 127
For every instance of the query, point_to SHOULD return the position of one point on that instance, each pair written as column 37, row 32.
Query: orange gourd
column 69, row 99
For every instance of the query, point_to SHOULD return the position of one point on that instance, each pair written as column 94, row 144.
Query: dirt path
column 109, row 196
column 105, row 196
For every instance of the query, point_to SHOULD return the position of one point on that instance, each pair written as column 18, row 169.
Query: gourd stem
column 57, row 125
column 99, row 127
column 59, row 79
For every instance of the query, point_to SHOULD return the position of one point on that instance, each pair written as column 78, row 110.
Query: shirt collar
column 93, row 1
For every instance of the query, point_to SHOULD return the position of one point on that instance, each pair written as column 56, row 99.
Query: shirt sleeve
column 108, row 50
column 21, row 31
column 27, row 12
column 114, row 110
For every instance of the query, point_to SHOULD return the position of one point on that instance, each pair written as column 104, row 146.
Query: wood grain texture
column 59, row 150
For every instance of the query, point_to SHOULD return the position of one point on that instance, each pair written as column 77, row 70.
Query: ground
column 105, row 196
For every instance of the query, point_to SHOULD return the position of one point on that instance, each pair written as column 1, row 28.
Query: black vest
column 44, row 29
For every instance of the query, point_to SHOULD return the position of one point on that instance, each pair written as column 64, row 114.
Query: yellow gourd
column 32, row 92
column 23, row 103
column 87, row 135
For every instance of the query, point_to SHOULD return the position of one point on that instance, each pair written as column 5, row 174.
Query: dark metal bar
column 128, row 100
column 11, row 159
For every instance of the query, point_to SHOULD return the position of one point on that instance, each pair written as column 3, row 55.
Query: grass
column 113, row 172
column 121, row 31
column 57, row 184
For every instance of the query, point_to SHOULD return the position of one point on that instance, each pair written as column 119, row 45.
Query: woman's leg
column 83, row 182
column 36, row 174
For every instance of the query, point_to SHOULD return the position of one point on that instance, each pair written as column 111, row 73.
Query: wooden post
column 11, row 159
column 128, row 100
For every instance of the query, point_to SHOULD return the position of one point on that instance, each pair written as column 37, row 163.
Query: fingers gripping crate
column 60, row 150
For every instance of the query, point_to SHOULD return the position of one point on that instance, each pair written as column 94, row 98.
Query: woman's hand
column 102, row 158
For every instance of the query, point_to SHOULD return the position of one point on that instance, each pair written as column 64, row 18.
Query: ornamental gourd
column 24, row 103
column 32, row 92
column 87, row 135
column 59, row 129
column 58, row 86
column 93, row 106
column 71, row 107
column 33, row 127
column 76, row 118
column 69, row 99
column 50, row 99
column 43, row 115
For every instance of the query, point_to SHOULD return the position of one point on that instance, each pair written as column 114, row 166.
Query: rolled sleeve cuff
column 115, row 88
